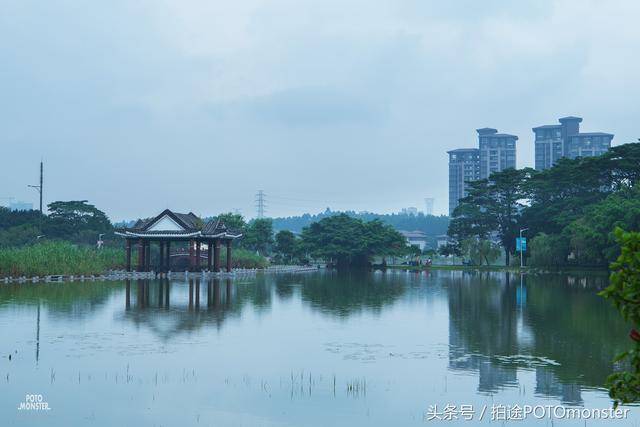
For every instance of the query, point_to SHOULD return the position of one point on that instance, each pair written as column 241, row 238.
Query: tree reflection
column 554, row 325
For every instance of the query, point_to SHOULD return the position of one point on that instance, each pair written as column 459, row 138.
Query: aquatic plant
column 58, row 257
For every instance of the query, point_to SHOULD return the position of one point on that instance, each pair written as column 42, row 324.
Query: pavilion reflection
column 157, row 294
column 169, row 308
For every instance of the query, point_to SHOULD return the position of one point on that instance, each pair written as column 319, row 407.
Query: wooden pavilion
column 168, row 227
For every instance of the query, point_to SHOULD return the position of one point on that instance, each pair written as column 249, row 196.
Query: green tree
column 234, row 222
column 259, row 235
column 19, row 235
column 73, row 218
column 480, row 250
column 591, row 237
column 347, row 241
column 561, row 194
column 624, row 292
column 548, row 250
column 286, row 244
column 493, row 205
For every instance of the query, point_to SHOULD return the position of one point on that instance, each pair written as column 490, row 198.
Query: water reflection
column 169, row 308
column 553, row 325
column 499, row 329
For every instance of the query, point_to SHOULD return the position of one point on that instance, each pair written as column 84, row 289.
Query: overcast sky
column 195, row 105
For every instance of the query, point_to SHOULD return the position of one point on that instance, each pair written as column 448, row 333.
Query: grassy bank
column 58, row 258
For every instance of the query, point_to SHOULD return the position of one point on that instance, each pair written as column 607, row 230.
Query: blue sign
column 521, row 244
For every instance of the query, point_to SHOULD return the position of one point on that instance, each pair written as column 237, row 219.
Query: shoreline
column 498, row 268
column 137, row 275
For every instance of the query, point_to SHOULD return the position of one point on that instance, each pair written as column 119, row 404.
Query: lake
column 315, row 349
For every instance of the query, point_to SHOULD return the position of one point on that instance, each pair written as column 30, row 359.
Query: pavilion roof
column 174, row 224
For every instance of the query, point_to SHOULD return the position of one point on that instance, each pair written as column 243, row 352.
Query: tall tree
column 494, row 205
column 259, row 235
column 351, row 242
column 286, row 244
column 77, row 218
column 233, row 221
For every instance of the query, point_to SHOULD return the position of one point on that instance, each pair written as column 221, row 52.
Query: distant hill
column 429, row 224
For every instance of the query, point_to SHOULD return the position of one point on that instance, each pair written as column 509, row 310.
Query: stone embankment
column 123, row 275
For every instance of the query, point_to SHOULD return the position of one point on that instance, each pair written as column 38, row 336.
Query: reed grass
column 243, row 258
column 57, row 257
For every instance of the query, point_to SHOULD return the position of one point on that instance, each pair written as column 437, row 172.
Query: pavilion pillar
column 128, row 254
column 198, row 255
column 147, row 256
column 162, row 257
column 209, row 254
column 191, row 258
column 228, row 242
column 216, row 255
column 167, row 250
column 141, row 255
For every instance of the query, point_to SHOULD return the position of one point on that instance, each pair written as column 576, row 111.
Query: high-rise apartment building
column 565, row 140
column 497, row 151
column 464, row 166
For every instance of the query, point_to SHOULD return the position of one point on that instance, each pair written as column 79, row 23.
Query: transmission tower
column 261, row 204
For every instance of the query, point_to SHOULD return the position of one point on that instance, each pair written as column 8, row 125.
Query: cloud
column 117, row 87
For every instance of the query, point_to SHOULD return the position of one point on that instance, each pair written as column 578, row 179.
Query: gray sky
column 195, row 105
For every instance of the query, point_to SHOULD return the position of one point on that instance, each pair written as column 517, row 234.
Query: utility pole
column 39, row 187
column 260, row 203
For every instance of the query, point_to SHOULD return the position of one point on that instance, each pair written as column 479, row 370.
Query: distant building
column 553, row 142
column 428, row 205
column 497, row 151
column 411, row 211
column 442, row 240
column 588, row 144
column 415, row 238
column 20, row 206
column 464, row 166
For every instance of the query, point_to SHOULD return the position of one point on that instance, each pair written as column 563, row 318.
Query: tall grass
column 243, row 258
column 58, row 258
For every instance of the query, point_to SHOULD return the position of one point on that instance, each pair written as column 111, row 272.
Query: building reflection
column 501, row 325
column 169, row 308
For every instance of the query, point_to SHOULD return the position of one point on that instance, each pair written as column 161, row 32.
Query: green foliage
column 244, row 258
column 450, row 249
column 349, row 241
column 548, row 250
column 576, row 204
column 429, row 224
column 480, row 250
column 58, row 258
column 591, row 236
column 287, row 245
column 74, row 217
column 9, row 218
column 75, row 221
column 624, row 291
column 259, row 235
column 19, row 235
column 234, row 222
column 493, row 205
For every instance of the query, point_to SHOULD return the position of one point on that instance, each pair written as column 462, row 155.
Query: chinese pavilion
column 168, row 227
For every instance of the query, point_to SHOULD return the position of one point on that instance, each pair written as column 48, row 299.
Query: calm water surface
column 308, row 350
